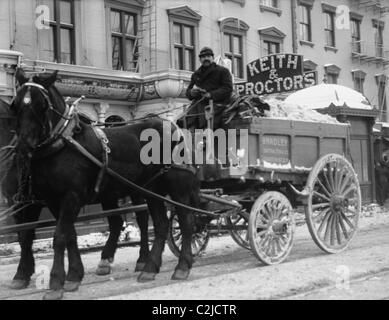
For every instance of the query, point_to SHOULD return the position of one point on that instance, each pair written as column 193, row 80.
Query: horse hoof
column 139, row 266
column 53, row 295
column 19, row 284
column 71, row 286
column 146, row 276
column 103, row 268
column 180, row 274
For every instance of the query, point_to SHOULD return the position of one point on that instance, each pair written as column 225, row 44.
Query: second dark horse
column 66, row 181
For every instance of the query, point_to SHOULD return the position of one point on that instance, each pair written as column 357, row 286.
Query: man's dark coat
column 218, row 82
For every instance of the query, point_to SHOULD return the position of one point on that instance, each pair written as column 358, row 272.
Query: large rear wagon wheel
column 271, row 228
column 334, row 203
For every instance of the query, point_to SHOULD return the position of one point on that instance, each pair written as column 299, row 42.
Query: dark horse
column 9, row 188
column 65, row 179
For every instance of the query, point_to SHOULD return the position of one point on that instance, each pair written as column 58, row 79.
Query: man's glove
column 195, row 93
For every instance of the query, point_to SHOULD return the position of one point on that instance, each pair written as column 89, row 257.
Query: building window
column 381, row 83
column 123, row 39
column 305, row 23
column 329, row 28
column 271, row 40
column 233, row 50
column 379, row 38
column 270, row 3
column 184, row 28
column 356, row 35
column 271, row 47
column 58, row 43
column 233, row 33
column 359, row 79
column 184, row 47
column 331, row 73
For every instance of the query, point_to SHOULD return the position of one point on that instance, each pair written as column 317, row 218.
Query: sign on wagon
column 275, row 74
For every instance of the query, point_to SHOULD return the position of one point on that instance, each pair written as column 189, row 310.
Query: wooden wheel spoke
column 321, row 215
column 345, row 182
column 333, row 230
column 328, row 228
column 322, row 224
column 331, row 176
column 320, row 205
column 343, row 227
column 327, row 182
column 340, row 178
column 323, row 188
column 338, row 233
column 348, row 190
column 321, row 196
column 347, row 220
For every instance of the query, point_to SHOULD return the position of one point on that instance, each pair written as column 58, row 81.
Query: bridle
column 46, row 124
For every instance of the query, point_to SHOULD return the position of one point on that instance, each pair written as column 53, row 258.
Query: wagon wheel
column 240, row 219
column 174, row 240
column 334, row 203
column 271, row 227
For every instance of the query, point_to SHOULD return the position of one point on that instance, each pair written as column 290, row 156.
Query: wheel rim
column 241, row 237
column 334, row 203
column 271, row 228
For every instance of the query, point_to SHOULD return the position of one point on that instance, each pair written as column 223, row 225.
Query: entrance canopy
column 323, row 95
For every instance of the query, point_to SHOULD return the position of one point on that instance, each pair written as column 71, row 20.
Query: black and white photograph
column 193, row 154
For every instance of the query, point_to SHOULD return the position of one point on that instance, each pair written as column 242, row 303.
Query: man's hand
column 195, row 93
column 207, row 95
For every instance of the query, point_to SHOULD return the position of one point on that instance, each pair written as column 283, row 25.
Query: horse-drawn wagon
column 290, row 165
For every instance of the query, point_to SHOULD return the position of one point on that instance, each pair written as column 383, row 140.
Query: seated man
column 210, row 81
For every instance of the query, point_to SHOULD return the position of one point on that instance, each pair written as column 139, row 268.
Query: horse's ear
column 21, row 76
column 47, row 82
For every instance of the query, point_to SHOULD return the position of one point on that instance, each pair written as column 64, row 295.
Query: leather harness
column 63, row 133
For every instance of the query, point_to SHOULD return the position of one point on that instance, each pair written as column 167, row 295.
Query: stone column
column 101, row 110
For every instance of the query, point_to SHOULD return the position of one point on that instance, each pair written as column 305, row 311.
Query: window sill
column 329, row 48
column 307, row 43
column 270, row 9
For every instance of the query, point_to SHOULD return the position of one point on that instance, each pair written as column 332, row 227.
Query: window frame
column 379, row 27
column 184, row 47
column 233, row 55
column 332, row 71
column 237, row 27
column 307, row 24
column 56, row 25
column 186, row 16
column 271, row 34
column 359, row 80
column 331, row 31
column 133, row 8
column 357, row 42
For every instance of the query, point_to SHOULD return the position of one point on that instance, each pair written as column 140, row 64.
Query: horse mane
column 56, row 96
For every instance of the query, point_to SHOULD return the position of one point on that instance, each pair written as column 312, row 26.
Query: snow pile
column 282, row 109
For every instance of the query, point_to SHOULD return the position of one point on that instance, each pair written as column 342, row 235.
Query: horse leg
column 161, row 226
column 115, row 226
column 65, row 236
column 186, row 221
column 26, row 265
column 142, row 218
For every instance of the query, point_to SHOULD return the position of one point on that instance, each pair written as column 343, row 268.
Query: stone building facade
column 133, row 57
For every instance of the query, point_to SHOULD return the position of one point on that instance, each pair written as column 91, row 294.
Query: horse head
column 38, row 107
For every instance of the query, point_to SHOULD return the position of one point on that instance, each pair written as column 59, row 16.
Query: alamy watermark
column 201, row 146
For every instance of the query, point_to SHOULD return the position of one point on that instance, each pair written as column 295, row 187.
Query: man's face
column 206, row 60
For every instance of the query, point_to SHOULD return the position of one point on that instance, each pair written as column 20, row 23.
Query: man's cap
column 206, row 51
